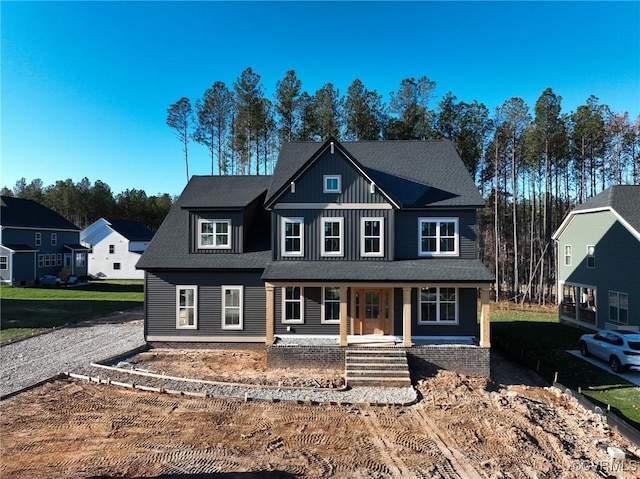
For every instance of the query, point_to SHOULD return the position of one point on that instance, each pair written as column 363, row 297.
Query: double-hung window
column 4, row 262
column 81, row 259
column 292, row 305
column 438, row 236
column 591, row 256
column 38, row 238
column 214, row 234
column 112, row 249
column 567, row 255
column 292, row 236
column 372, row 237
column 331, row 242
column 186, row 307
column 330, row 305
column 232, row 307
column 54, row 239
column 619, row 307
column 438, row 306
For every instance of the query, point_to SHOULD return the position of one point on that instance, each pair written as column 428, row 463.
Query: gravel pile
column 356, row 395
column 28, row 362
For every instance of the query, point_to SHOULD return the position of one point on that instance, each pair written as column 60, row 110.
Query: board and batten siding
column 160, row 303
column 351, row 235
column 617, row 261
column 236, row 230
column 312, row 315
column 407, row 228
column 310, row 186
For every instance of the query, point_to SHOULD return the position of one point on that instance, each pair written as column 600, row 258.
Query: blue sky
column 86, row 85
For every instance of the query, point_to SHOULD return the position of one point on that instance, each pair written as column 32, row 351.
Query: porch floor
column 373, row 340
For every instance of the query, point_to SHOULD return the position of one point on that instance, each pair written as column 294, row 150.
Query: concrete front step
column 377, row 368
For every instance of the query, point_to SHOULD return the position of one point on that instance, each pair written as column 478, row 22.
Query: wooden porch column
column 269, row 315
column 343, row 316
column 406, row 317
column 485, row 316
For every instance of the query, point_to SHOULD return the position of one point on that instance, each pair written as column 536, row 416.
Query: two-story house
column 348, row 241
column 115, row 246
column 599, row 261
column 36, row 242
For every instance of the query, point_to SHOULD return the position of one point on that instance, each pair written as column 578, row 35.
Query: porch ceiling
column 416, row 270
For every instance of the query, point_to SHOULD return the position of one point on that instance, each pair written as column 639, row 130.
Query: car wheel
column 583, row 349
column 614, row 362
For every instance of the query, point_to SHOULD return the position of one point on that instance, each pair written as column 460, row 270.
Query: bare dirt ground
column 461, row 428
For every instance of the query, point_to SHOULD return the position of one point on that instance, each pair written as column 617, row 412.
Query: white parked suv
column 620, row 348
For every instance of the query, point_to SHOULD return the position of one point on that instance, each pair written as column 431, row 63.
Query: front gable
column 330, row 176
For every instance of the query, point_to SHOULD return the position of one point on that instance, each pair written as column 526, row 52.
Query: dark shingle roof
column 20, row 248
column 23, row 213
column 415, row 173
column 624, row 199
column 223, row 191
column 423, row 270
column 169, row 248
column 132, row 230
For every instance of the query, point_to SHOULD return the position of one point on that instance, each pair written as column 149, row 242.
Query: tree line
column 531, row 164
column 83, row 203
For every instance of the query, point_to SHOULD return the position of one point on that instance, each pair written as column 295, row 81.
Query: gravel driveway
column 27, row 362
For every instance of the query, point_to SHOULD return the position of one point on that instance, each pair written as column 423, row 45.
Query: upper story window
column 438, row 236
column 332, row 238
column 567, row 255
column 332, row 183
column 438, row 306
column 112, row 249
column 372, row 236
column 232, row 307
column 38, row 238
column 292, row 305
column 292, row 236
column 591, row 256
column 186, row 307
column 214, row 234
column 54, row 239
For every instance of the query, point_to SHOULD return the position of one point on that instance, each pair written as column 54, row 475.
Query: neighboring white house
column 115, row 248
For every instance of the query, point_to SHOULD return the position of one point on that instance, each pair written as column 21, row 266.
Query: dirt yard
column 461, row 428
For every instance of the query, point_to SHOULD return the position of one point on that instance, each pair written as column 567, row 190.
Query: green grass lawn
column 26, row 311
column 536, row 339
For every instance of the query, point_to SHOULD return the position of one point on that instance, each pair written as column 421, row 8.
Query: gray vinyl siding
column 406, row 231
column 236, row 231
column 354, row 187
column 467, row 315
column 312, row 315
column 351, row 234
column 160, row 302
column 617, row 261
column 20, row 267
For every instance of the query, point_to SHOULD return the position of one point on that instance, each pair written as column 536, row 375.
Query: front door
column 372, row 311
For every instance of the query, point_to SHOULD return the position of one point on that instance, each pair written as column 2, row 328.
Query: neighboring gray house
column 115, row 248
column 36, row 242
column 346, row 241
column 599, row 261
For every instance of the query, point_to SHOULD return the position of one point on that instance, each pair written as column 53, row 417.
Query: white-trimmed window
column 40, row 261
column 59, row 257
column 332, row 237
column 438, row 306
column 372, row 236
column 619, row 307
column 332, row 184
column 81, row 259
column 116, row 266
column 54, row 239
column 38, row 238
column 292, row 305
column 591, row 256
column 292, row 236
column 47, row 260
column 232, row 304
column 567, row 255
column 438, row 236
column 330, row 305
column 214, row 234
column 4, row 262
column 186, row 307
